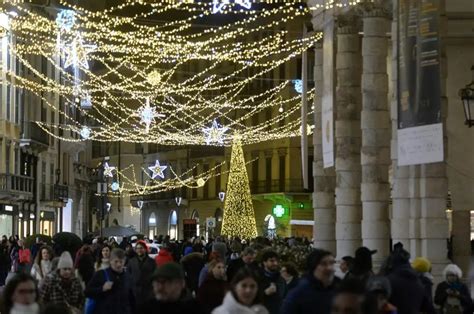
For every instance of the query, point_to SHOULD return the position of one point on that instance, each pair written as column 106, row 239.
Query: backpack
column 24, row 256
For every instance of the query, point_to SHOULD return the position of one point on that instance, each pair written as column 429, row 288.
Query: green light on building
column 278, row 210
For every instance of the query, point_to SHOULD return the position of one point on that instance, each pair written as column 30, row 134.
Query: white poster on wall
column 67, row 216
column 420, row 145
column 327, row 116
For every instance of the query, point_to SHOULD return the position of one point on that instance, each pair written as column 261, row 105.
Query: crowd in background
column 221, row 276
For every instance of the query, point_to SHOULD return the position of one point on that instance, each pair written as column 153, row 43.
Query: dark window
column 194, row 191
column 282, row 173
column 268, row 174
column 218, row 180
column 298, row 68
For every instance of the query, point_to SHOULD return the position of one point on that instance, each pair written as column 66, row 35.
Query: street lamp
column 467, row 97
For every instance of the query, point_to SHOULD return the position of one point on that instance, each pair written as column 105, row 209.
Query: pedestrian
column 103, row 258
column 62, row 286
column 84, row 265
column 244, row 296
column 14, row 254
column 140, row 269
column 169, row 293
column 164, row 256
column 20, row 295
column 35, row 248
column 345, row 265
column 247, row 259
column 408, row 293
column 111, row 288
column 192, row 265
column 362, row 265
column 315, row 291
column 5, row 262
column 290, row 274
column 452, row 295
column 220, row 246
column 350, row 297
column 42, row 265
column 379, row 287
column 212, row 291
column 271, row 282
column 24, row 257
column 205, row 269
column 423, row 268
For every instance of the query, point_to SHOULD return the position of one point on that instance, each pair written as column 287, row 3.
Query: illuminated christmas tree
column 239, row 216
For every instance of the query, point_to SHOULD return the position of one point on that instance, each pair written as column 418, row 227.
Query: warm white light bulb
column 280, row 109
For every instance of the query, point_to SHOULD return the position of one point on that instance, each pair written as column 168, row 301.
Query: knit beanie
column 421, row 265
column 65, row 261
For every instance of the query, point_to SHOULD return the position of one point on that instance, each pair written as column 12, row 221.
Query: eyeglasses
column 26, row 291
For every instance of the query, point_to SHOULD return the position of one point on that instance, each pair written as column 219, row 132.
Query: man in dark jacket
column 315, row 291
column 111, row 288
column 169, row 293
column 247, row 259
column 271, row 282
column 140, row 269
column 408, row 293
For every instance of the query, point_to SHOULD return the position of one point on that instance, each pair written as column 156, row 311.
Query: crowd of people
column 221, row 276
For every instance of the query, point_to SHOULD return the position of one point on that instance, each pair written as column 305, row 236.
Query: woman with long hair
column 21, row 295
column 103, row 259
column 84, row 264
column 243, row 297
column 42, row 265
column 213, row 289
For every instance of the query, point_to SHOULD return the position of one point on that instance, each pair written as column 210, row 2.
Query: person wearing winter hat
column 315, row 291
column 62, row 286
column 380, row 288
column 140, row 268
column 452, row 295
column 169, row 292
column 423, row 267
column 362, row 265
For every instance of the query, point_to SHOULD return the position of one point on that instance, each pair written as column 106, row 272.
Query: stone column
column 348, row 137
column 375, row 125
column 399, row 222
column 324, row 179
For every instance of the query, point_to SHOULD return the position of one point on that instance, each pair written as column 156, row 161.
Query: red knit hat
column 142, row 243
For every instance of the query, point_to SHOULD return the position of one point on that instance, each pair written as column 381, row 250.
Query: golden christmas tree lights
column 239, row 215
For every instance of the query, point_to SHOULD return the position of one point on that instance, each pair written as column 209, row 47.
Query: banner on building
column 420, row 129
column 327, row 111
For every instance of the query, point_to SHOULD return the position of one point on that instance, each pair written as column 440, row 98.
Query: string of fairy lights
column 167, row 73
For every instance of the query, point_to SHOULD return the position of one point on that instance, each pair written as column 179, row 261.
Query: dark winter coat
column 292, row 284
column 441, row 295
column 192, row 265
column 118, row 300
column 237, row 264
column 211, row 293
column 140, row 272
column 310, row 296
column 408, row 293
column 184, row 305
column 272, row 302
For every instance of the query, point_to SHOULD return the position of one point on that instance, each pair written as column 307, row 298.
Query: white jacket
column 231, row 306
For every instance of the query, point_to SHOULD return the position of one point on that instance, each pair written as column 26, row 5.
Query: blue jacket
column 310, row 296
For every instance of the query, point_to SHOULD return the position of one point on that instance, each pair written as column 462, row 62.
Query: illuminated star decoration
column 76, row 53
column 215, row 134
column 219, row 5
column 65, row 20
column 157, row 170
column 108, row 170
column 85, row 132
column 298, row 86
column 148, row 114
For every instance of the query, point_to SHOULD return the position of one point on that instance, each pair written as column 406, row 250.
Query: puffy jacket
column 163, row 257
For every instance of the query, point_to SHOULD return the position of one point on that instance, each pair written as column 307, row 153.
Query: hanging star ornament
column 148, row 114
column 76, row 53
column 157, row 170
column 219, row 5
column 108, row 170
column 215, row 133
column 298, row 86
column 65, row 19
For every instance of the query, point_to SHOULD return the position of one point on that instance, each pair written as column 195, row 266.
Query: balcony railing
column 54, row 192
column 277, row 186
column 16, row 184
column 34, row 135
